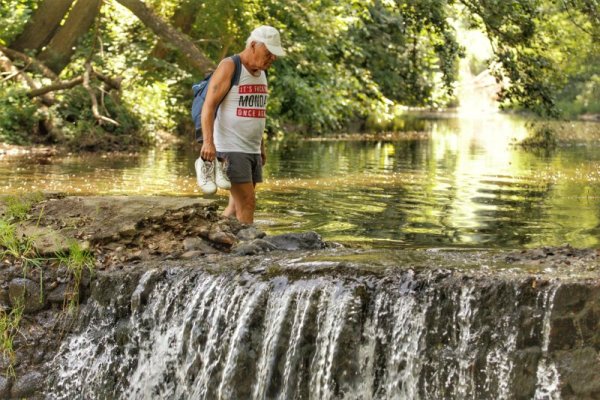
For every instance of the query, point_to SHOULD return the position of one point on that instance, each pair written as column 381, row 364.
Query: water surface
column 461, row 183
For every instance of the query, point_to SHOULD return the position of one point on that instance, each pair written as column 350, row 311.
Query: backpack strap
column 235, row 79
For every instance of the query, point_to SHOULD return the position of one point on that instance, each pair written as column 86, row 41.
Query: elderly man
column 233, row 122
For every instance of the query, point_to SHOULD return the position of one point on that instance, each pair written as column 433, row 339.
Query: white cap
column 270, row 37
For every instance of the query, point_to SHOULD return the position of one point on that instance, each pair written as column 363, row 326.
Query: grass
column 9, row 327
column 20, row 248
column 76, row 260
column 18, row 207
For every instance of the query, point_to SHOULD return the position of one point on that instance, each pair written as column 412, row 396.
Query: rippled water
column 461, row 184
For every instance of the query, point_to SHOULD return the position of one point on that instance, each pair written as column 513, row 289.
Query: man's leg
column 244, row 201
column 230, row 209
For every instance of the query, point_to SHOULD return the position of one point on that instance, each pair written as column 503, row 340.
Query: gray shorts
column 243, row 167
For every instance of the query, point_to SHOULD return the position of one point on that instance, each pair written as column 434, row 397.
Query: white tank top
column 241, row 117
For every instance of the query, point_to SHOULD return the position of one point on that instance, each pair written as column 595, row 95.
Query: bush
column 18, row 118
column 82, row 131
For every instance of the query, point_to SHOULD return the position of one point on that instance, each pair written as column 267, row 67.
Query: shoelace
column 209, row 169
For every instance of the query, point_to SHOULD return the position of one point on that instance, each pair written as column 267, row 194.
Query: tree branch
column 7, row 65
column 61, row 85
column 38, row 65
column 86, row 84
column 169, row 34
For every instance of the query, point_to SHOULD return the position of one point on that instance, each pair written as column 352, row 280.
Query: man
column 233, row 122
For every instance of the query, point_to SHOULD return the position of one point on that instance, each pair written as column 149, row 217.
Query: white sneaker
column 221, row 174
column 205, row 174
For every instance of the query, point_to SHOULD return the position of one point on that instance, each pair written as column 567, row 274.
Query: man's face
column 264, row 58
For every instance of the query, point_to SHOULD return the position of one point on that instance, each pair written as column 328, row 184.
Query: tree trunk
column 183, row 19
column 42, row 25
column 169, row 34
column 62, row 46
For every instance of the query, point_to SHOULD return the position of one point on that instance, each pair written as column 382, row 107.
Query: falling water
column 547, row 374
column 188, row 334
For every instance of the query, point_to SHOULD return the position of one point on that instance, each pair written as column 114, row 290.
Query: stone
column 563, row 334
column 27, row 385
column 4, row 387
column 297, row 241
column 198, row 244
column 188, row 255
column 57, row 295
column 250, row 233
column 4, row 299
column 570, row 297
column 580, row 369
column 257, row 246
column 27, row 291
column 218, row 236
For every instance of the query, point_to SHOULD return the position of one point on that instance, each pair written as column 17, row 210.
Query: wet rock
column 570, row 297
column 27, row 384
column 218, row 236
column 4, row 299
column 581, row 368
column 257, row 246
column 28, row 292
column 198, row 244
column 297, row 241
column 57, row 295
column 250, row 233
column 4, row 387
column 524, row 372
column 139, row 298
column 563, row 334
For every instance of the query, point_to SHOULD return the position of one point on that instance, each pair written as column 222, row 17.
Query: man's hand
column 263, row 157
column 208, row 151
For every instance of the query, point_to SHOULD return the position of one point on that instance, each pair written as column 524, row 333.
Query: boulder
column 28, row 292
column 28, row 384
column 297, row 241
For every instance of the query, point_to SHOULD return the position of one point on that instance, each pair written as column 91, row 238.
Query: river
column 459, row 182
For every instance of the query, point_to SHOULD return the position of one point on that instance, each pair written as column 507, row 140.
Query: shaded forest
column 111, row 74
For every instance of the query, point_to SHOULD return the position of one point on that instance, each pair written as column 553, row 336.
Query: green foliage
column 9, row 328
column 349, row 62
column 541, row 136
column 76, row 260
column 18, row 115
column 13, row 14
column 83, row 131
column 547, row 50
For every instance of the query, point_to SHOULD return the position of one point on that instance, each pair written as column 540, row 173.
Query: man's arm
column 218, row 87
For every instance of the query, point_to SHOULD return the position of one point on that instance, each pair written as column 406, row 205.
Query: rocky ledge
column 129, row 235
column 119, row 232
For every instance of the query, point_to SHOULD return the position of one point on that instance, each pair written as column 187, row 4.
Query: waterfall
column 547, row 374
column 190, row 334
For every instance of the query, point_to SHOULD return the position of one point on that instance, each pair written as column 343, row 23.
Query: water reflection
column 462, row 185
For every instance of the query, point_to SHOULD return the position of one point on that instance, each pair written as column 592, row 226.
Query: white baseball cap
column 270, row 37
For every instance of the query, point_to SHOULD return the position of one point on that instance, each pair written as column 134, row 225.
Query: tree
column 43, row 24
